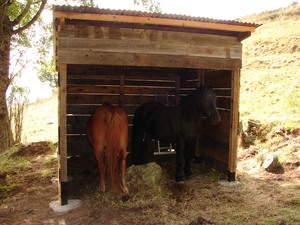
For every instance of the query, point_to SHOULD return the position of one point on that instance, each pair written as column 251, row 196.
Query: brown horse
column 107, row 131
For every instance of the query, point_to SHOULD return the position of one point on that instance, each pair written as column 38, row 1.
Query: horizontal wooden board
column 217, row 132
column 136, row 34
column 78, row 145
column 93, row 71
column 76, row 124
column 88, row 109
column 149, row 47
column 114, row 99
column 128, row 90
column 143, row 59
column 215, row 150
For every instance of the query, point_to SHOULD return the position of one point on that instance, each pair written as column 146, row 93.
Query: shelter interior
column 89, row 86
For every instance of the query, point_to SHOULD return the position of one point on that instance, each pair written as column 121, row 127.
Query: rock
column 72, row 204
column 251, row 152
column 201, row 221
column 280, row 132
column 148, row 175
column 254, row 123
column 270, row 162
column 249, row 140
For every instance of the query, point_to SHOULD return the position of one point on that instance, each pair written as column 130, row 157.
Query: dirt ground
column 259, row 198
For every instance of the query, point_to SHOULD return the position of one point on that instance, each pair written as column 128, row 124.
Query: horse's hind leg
column 123, row 171
column 179, row 161
column 101, row 164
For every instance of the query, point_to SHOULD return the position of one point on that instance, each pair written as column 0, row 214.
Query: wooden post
column 201, row 74
column 122, row 84
column 177, row 90
column 62, row 123
column 234, row 123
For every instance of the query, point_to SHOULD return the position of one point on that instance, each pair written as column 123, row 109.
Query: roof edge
column 128, row 16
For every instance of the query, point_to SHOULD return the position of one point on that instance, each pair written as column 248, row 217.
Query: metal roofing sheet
column 85, row 9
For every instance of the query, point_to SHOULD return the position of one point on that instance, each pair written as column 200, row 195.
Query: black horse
column 180, row 124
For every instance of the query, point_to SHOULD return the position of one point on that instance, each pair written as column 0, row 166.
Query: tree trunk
column 4, row 82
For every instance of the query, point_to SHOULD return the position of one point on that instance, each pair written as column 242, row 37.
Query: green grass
column 270, row 84
column 9, row 163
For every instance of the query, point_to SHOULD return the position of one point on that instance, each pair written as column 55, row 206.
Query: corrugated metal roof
column 85, row 9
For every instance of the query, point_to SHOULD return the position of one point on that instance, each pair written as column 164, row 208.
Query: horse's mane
column 198, row 92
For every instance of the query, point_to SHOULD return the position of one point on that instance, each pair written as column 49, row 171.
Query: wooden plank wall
column 90, row 86
column 113, row 45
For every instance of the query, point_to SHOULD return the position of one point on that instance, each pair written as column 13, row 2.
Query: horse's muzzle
column 214, row 119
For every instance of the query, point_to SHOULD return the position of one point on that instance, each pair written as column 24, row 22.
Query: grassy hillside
column 270, row 85
column 270, row 80
column 41, row 121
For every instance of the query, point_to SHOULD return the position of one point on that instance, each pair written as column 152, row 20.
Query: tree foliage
column 149, row 5
column 15, row 18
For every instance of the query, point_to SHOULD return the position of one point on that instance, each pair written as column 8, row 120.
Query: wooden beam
column 142, row 34
column 234, row 120
column 153, row 21
column 162, row 47
column 148, row 60
column 62, row 150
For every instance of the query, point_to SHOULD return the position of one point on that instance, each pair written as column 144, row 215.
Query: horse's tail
column 113, row 148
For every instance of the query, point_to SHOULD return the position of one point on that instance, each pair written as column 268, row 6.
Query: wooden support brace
column 62, row 119
column 234, row 124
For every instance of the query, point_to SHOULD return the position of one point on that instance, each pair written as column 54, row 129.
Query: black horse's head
column 207, row 104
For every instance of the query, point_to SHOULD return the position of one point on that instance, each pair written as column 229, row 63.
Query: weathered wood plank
column 235, row 80
column 62, row 139
column 62, row 124
column 88, row 109
column 114, row 99
column 137, row 90
column 114, row 72
column 215, row 152
column 149, row 47
column 218, row 133
column 143, row 59
column 135, row 34
column 78, row 145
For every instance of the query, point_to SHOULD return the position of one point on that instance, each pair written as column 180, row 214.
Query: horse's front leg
column 179, row 161
column 189, row 152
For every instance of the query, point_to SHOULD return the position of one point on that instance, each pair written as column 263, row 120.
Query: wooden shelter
column 131, row 57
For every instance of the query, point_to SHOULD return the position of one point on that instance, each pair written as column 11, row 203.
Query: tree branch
column 3, row 16
column 6, row 3
column 22, row 14
column 19, row 30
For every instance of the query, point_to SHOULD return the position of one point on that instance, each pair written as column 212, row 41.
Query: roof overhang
column 137, row 17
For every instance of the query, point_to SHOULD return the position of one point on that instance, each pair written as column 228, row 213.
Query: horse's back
column 102, row 117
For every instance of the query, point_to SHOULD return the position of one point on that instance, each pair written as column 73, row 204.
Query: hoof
column 180, row 182
column 179, row 179
column 125, row 197
column 190, row 176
